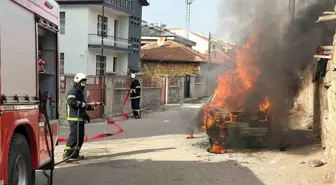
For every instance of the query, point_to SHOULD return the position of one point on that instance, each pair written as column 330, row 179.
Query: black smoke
column 288, row 42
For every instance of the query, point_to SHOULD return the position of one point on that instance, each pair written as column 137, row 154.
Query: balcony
column 110, row 42
column 125, row 5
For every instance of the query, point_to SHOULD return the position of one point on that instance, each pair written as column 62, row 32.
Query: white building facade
column 202, row 42
column 85, row 28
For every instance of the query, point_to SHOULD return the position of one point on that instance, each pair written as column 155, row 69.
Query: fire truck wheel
column 19, row 163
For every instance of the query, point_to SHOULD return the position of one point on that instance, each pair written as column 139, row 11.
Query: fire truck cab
column 29, row 85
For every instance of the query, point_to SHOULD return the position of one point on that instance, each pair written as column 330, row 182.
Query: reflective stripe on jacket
column 135, row 89
column 75, row 99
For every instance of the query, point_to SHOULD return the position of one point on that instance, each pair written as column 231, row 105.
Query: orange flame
column 265, row 105
column 217, row 149
column 234, row 85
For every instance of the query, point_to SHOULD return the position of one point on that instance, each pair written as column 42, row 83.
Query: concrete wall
column 151, row 96
column 174, row 94
column 114, row 95
column 199, row 90
column 198, row 87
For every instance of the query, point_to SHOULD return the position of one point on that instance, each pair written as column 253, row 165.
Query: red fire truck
column 28, row 88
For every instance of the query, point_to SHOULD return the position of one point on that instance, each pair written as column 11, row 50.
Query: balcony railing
column 109, row 41
column 123, row 4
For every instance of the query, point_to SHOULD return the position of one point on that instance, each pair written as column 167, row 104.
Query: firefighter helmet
column 79, row 77
column 132, row 75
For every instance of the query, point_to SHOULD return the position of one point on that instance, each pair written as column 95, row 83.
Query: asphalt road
column 155, row 151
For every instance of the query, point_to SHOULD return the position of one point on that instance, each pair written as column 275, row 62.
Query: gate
column 94, row 92
column 187, row 87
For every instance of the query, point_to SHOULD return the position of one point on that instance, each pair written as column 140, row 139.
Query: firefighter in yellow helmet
column 76, row 115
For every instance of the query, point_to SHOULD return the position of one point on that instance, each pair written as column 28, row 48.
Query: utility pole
column 188, row 3
column 102, row 37
column 208, row 67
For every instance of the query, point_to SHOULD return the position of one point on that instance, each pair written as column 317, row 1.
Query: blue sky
column 204, row 14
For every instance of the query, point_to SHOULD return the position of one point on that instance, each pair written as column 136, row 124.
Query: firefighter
column 76, row 108
column 135, row 90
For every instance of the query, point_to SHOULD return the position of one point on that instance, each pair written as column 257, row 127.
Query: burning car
column 236, row 129
column 228, row 119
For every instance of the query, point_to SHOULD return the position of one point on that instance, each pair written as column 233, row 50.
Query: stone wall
column 328, row 109
column 174, row 94
column 302, row 116
column 316, row 108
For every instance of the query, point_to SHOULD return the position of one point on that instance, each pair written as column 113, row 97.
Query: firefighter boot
column 68, row 151
column 76, row 155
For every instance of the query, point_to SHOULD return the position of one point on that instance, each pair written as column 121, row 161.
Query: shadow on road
column 130, row 153
column 134, row 172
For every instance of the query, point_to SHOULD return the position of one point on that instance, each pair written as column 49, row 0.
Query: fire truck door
column 18, row 53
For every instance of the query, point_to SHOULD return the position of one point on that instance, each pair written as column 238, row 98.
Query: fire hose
column 99, row 136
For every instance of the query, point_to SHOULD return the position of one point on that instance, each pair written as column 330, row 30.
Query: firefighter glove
column 87, row 118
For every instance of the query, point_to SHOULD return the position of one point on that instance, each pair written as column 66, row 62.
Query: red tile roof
column 171, row 51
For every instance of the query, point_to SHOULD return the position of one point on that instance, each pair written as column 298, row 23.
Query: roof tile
column 171, row 51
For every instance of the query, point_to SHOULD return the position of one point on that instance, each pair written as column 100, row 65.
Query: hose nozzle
column 96, row 103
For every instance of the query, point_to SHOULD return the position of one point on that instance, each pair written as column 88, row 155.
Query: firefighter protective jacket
column 75, row 100
column 135, row 90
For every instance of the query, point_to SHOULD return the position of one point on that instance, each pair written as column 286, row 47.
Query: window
column 62, row 63
column 100, row 65
column 62, row 23
column 135, row 45
column 102, row 25
column 131, row 20
column 135, row 21
column 115, row 60
column 138, row 21
column 116, row 26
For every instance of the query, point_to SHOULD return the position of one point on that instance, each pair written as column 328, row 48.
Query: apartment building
column 98, row 36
